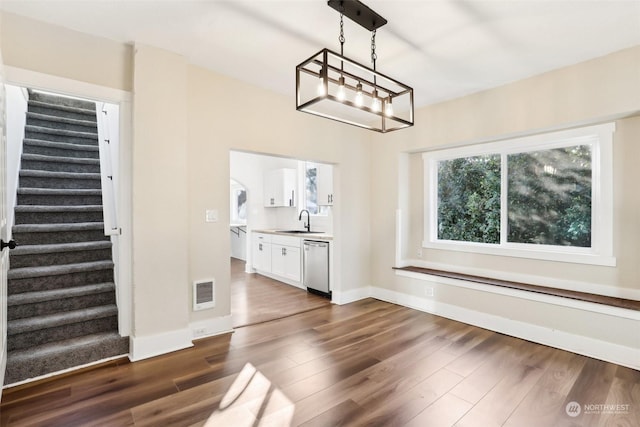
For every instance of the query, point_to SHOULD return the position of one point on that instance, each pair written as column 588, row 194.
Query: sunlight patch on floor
column 252, row 400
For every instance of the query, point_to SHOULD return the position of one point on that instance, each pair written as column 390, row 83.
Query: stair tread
column 47, row 228
column 57, row 294
column 29, row 324
column 59, row 119
column 61, row 107
column 50, row 174
column 60, row 191
column 63, row 346
column 62, row 132
column 55, row 270
column 60, row 159
column 60, row 247
column 55, row 208
column 62, row 145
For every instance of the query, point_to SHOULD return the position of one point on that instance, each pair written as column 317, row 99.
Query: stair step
column 52, row 214
column 60, row 135
column 50, row 98
column 68, row 175
column 75, row 160
column 56, row 270
column 62, row 247
column 58, row 254
column 38, row 303
column 61, row 122
column 57, row 294
column 31, row 234
column 31, row 331
column 60, row 355
column 61, row 110
column 49, row 179
column 34, row 279
column 59, row 196
column 30, row 324
column 63, row 149
column 60, row 164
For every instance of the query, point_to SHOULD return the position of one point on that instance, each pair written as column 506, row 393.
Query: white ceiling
column 442, row 48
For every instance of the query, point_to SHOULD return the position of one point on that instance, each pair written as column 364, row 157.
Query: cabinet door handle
column 259, row 246
column 284, row 251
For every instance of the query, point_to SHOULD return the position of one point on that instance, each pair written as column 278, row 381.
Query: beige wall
column 160, row 202
column 225, row 114
column 185, row 121
column 48, row 49
column 590, row 92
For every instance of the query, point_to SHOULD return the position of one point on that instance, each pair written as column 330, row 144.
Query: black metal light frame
column 329, row 69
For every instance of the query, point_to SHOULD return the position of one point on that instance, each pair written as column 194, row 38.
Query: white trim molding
column 352, row 295
column 588, row 346
column 211, row 327
column 147, row 346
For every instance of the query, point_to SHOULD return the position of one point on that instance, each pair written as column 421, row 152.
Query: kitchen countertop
column 315, row 236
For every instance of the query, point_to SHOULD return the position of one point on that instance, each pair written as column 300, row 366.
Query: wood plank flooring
column 256, row 298
column 366, row 363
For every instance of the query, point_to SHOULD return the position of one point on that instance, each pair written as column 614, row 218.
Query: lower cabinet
column 261, row 252
column 278, row 257
column 285, row 261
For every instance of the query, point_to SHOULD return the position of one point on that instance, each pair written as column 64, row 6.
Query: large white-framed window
column 547, row 196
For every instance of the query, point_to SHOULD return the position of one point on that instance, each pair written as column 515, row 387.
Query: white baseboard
column 211, row 327
column 144, row 347
column 350, row 296
column 603, row 350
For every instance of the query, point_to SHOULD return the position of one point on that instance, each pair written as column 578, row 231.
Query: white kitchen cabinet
column 278, row 257
column 324, row 182
column 261, row 252
column 280, row 188
column 285, row 257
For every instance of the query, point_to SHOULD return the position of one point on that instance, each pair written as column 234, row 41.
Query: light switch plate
column 211, row 215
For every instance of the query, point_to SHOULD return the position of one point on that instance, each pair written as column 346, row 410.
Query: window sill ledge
column 575, row 295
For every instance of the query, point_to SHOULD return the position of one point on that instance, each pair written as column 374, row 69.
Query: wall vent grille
column 204, row 295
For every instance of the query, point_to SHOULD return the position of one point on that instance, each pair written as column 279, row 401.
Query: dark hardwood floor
column 366, row 363
column 256, row 298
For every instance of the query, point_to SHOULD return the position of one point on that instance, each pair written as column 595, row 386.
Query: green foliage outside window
column 548, row 198
column 469, row 199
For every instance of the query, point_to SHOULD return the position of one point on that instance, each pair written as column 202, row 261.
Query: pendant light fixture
column 333, row 86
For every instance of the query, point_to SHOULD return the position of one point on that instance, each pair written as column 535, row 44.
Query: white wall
column 16, row 118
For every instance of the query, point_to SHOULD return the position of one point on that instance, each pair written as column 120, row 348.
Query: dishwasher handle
column 315, row 244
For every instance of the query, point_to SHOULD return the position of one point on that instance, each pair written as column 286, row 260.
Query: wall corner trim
column 144, row 347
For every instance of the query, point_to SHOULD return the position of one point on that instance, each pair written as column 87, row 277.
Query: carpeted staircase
column 62, row 309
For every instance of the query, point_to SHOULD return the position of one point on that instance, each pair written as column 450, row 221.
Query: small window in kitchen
column 311, row 190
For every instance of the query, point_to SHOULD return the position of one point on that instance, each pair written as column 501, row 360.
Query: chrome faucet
column 307, row 225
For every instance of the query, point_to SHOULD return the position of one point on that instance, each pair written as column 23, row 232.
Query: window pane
column 469, row 199
column 311, row 189
column 549, row 195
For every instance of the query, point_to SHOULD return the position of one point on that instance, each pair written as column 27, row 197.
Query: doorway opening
column 258, row 293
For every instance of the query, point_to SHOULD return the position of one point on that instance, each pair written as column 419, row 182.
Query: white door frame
column 31, row 79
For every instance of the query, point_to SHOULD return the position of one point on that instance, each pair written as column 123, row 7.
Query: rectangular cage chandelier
column 333, row 86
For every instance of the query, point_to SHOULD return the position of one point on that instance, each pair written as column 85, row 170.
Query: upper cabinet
column 280, row 188
column 325, row 184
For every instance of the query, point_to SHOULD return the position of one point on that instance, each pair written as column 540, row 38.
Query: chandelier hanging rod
column 359, row 13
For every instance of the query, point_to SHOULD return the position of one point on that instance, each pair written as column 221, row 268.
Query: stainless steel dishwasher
column 315, row 267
